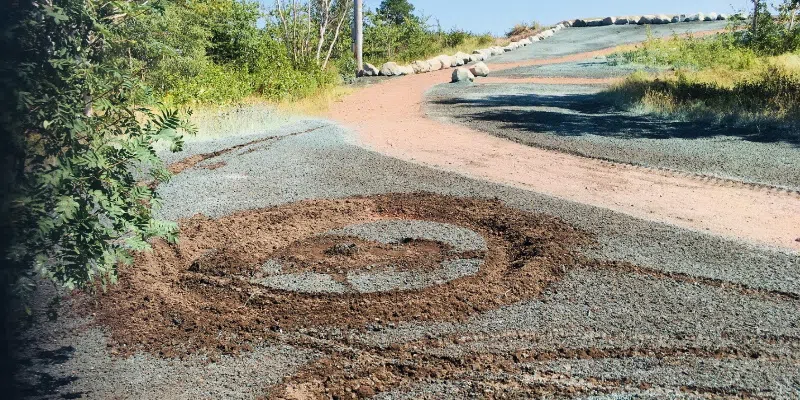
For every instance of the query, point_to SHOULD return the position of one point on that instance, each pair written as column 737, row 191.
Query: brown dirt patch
column 196, row 295
column 339, row 254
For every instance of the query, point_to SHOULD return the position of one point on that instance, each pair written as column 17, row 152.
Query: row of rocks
column 655, row 19
column 457, row 60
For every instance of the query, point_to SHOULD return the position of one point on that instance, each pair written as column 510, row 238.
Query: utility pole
column 358, row 35
column 755, row 17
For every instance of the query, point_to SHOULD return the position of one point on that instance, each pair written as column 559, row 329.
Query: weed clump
column 717, row 79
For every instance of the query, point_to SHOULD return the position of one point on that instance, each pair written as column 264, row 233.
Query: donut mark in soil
column 198, row 295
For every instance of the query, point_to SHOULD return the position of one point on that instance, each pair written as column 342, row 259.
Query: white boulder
column 435, row 63
column 370, row 70
column 477, row 56
column 696, row 17
column 661, row 19
column 462, row 56
column 421, row 67
column 479, row 69
column 594, row 22
column 390, row 69
column 711, row 17
column 462, row 75
column 406, row 70
column 447, row 61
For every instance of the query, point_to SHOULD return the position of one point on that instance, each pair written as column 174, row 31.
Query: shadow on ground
column 45, row 384
column 596, row 114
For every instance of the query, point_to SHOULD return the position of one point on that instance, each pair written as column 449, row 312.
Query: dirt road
column 390, row 118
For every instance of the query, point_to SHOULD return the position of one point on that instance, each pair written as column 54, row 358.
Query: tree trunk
column 755, row 16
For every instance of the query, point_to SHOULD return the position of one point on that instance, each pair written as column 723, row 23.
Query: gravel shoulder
column 682, row 307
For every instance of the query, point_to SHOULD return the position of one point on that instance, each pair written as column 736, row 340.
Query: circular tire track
column 200, row 295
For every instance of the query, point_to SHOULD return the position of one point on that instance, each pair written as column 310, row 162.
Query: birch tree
column 310, row 29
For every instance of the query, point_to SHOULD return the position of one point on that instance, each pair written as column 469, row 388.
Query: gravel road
column 580, row 119
column 673, row 313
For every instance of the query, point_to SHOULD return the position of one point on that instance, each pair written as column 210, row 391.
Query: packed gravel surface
column 582, row 40
column 597, row 68
column 568, row 300
column 582, row 120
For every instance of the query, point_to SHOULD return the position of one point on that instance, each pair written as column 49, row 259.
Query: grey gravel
column 572, row 41
column 387, row 278
column 580, row 119
column 597, row 68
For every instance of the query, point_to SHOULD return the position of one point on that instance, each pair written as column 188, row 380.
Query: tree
column 311, row 28
column 80, row 139
column 756, row 8
column 396, row 11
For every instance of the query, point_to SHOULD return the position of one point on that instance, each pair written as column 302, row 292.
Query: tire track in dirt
column 389, row 118
column 191, row 161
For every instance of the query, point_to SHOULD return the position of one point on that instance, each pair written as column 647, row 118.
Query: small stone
column 365, row 392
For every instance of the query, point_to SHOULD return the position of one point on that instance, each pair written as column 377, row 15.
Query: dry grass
column 712, row 79
column 317, row 104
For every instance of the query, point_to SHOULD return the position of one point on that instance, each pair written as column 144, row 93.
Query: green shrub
column 695, row 53
column 412, row 40
column 79, row 134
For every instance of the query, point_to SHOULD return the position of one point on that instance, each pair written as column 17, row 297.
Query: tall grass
column 690, row 52
column 713, row 79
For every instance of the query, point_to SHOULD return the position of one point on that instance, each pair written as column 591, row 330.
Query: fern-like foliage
column 78, row 138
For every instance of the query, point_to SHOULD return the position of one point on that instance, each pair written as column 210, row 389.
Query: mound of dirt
column 200, row 294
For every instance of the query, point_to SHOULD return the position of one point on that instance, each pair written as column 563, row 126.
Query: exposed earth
column 405, row 248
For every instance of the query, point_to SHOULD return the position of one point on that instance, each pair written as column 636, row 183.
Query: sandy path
column 389, row 118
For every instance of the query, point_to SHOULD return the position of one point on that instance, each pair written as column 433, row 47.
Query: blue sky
column 497, row 16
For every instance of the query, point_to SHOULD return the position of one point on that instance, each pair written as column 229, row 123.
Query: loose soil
column 196, row 296
column 338, row 255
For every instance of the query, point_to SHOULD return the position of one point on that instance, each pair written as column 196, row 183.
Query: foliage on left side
column 78, row 142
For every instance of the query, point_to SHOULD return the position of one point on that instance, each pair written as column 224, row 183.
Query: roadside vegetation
column 750, row 74
column 523, row 30
column 91, row 88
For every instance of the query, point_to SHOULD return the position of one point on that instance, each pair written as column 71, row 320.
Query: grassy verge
column 712, row 79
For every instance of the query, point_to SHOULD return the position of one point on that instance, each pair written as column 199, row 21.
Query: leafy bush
column 414, row 39
column 770, row 35
column 80, row 134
